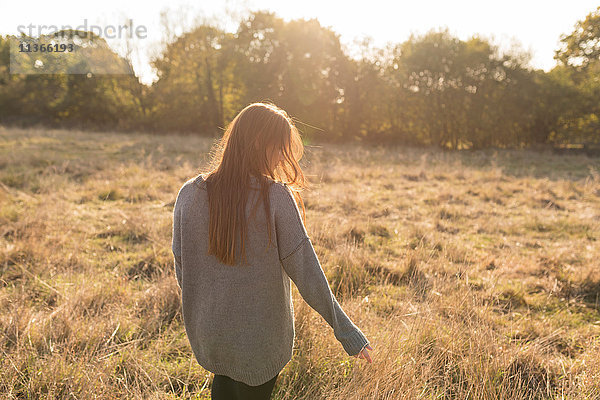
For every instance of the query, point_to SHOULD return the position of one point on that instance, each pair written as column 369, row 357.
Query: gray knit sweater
column 240, row 319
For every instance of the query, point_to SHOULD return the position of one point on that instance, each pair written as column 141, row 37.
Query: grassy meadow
column 475, row 275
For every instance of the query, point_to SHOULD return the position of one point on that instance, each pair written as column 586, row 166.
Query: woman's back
column 233, row 313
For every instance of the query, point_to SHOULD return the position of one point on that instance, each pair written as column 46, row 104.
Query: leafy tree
column 579, row 58
column 582, row 46
column 190, row 92
column 295, row 64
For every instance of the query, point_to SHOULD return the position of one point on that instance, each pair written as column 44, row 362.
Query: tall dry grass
column 474, row 274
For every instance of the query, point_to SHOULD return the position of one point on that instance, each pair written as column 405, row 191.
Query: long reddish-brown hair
column 261, row 132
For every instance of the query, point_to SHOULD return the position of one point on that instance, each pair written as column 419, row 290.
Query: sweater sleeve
column 302, row 265
column 176, row 239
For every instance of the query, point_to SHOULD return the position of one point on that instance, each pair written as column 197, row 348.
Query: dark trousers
column 225, row 388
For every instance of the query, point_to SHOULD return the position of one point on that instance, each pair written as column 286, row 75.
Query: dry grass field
column 475, row 275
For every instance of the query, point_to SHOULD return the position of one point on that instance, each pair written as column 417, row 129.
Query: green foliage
column 77, row 100
column 582, row 47
column 432, row 89
column 579, row 57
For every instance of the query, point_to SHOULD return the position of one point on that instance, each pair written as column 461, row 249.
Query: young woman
column 234, row 258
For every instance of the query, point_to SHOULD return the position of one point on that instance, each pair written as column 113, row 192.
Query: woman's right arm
column 302, row 265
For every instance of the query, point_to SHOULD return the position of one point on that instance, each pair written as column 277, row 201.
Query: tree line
column 432, row 89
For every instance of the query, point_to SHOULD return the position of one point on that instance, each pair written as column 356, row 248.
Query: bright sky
column 534, row 25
